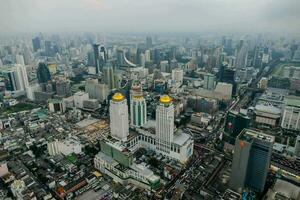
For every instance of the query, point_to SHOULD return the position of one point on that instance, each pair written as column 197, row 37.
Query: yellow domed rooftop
column 165, row 99
column 118, row 96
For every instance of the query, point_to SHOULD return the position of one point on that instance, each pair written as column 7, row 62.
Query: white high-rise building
column 18, row 78
column 118, row 111
column 138, row 106
column 177, row 76
column 164, row 124
column 142, row 59
column 147, row 56
column 20, row 59
column 291, row 113
column 79, row 98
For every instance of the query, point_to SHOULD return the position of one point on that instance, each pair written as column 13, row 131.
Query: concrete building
column 138, row 107
column 96, row 90
column 66, row 147
column 251, row 160
column 118, row 111
column 177, row 76
column 209, row 81
column 56, row 105
column 79, row 98
column 263, row 83
column 267, row 116
column 164, row 124
column 291, row 114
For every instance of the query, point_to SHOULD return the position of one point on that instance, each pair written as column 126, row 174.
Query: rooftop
column 165, row 99
column 118, row 96
column 292, row 101
column 249, row 135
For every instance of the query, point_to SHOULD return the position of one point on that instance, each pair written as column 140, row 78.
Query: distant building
column 209, row 81
column 36, row 44
column 43, row 73
column 177, row 76
column 251, row 160
column 138, row 110
column 96, row 90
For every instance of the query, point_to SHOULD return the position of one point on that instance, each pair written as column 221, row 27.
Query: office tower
column 157, row 56
column 96, row 57
column 142, row 60
column 209, row 81
column 17, row 78
column 63, row 88
column 48, row 48
column 251, row 160
column 164, row 66
column 109, row 77
column 235, row 123
column 147, row 55
column 79, row 98
column 20, row 59
column 118, row 111
column 291, row 114
column 36, row 44
column 177, row 76
column 138, row 107
column 241, row 55
column 43, row 73
column 96, row 90
column 164, row 124
column 148, row 42
column 90, row 59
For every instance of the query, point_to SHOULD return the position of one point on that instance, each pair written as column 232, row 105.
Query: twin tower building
column 164, row 125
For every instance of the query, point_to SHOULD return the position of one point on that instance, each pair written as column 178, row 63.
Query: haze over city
column 149, row 16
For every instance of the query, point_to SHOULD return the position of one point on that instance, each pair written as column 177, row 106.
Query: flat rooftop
column 292, row 101
column 249, row 135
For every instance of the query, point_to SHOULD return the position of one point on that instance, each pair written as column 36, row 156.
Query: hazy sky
column 149, row 15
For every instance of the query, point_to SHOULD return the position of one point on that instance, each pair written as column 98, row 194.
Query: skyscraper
column 209, row 81
column 149, row 42
column 109, row 76
column 36, row 44
column 251, row 160
column 118, row 111
column 138, row 107
column 43, row 73
column 96, row 57
column 17, row 78
column 164, row 124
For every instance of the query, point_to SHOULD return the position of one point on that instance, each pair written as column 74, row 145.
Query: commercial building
column 209, row 81
column 177, row 76
column 138, row 107
column 234, row 124
column 43, row 73
column 96, row 90
column 251, row 160
column 267, row 116
column 66, row 147
column 56, row 105
column 291, row 114
column 164, row 124
column 118, row 110
column 79, row 98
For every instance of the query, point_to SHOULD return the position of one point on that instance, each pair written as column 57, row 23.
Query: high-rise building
column 48, row 48
column 177, row 76
column 149, row 42
column 147, row 55
column 251, row 160
column 109, row 76
column 235, row 123
column 118, row 111
column 20, row 59
column 164, row 124
column 79, row 98
column 96, row 90
column 138, row 106
column 96, row 57
column 209, row 81
column 17, row 78
column 43, row 73
column 63, row 88
column 241, row 55
column 36, row 44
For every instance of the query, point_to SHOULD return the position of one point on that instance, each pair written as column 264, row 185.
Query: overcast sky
column 149, row 15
